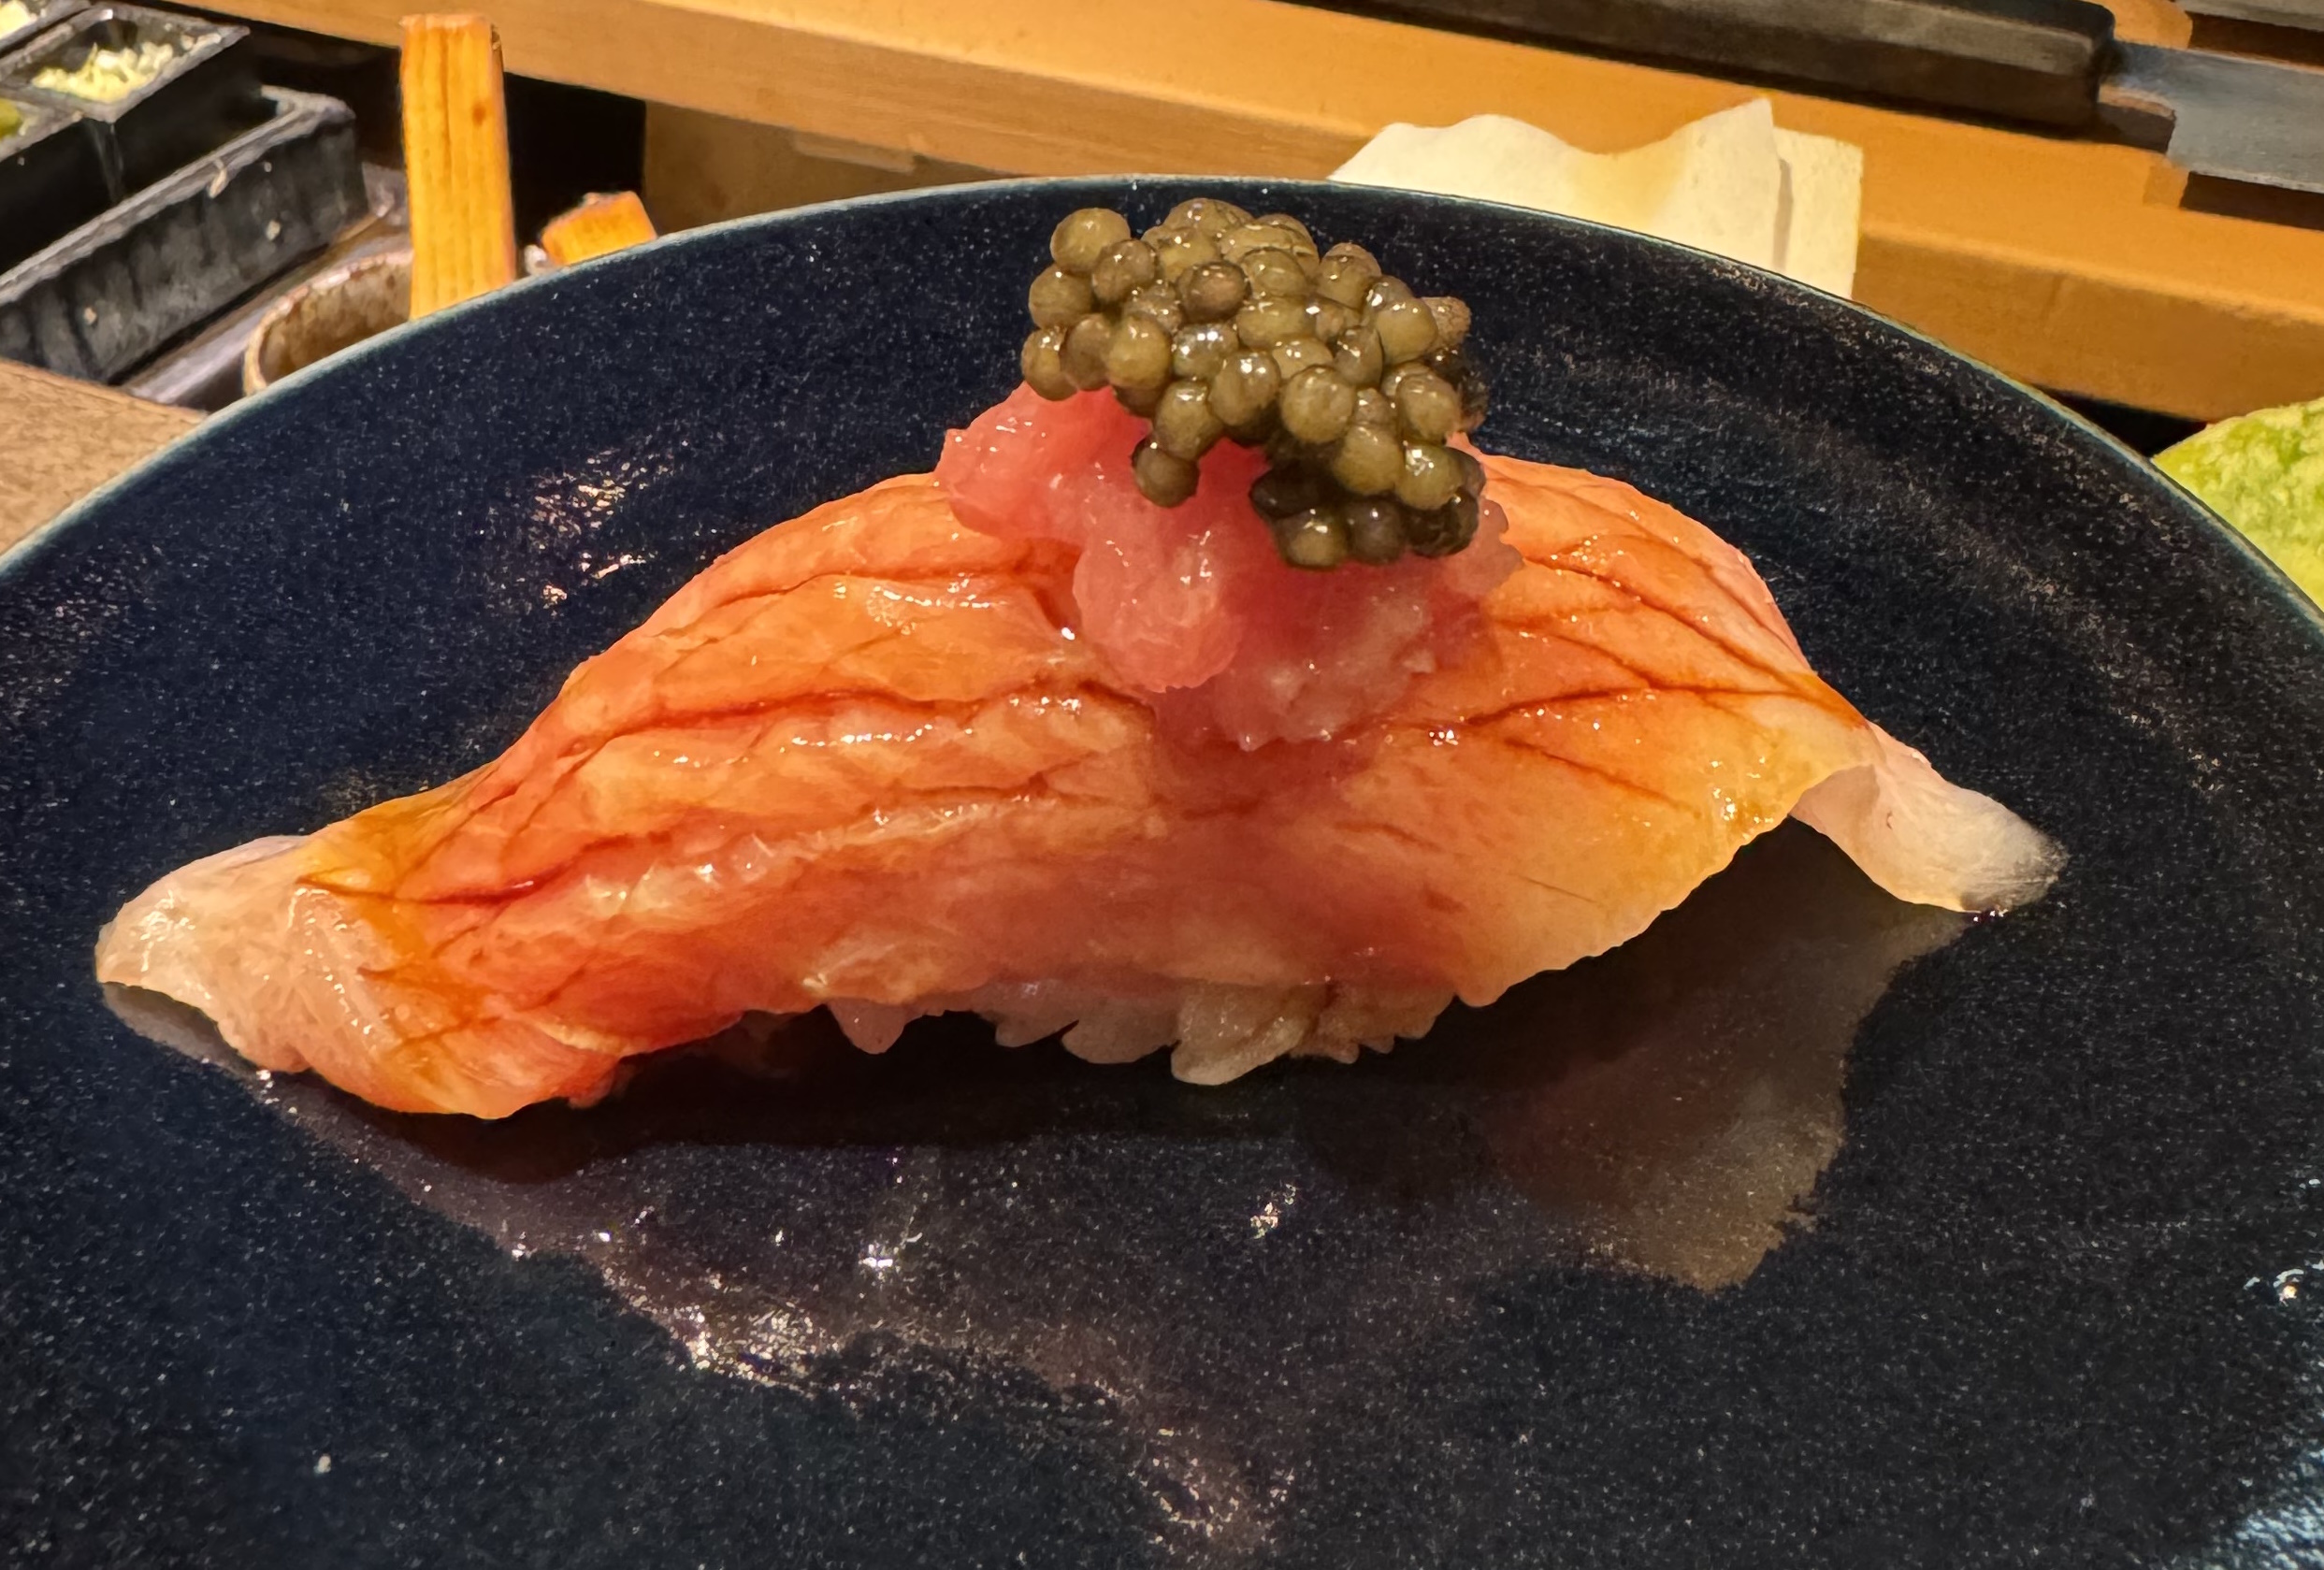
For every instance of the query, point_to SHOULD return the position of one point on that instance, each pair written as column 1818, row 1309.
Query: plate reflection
column 1218, row 1266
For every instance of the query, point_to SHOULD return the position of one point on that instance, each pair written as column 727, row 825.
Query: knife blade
column 2276, row 13
column 2053, row 63
column 2257, row 121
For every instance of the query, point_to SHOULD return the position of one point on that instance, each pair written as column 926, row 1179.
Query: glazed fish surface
column 1195, row 762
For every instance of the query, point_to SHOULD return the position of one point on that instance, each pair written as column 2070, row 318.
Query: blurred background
column 2121, row 205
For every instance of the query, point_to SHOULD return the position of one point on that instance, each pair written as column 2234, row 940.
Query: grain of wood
column 602, row 223
column 2058, row 260
column 703, row 168
column 455, row 144
column 62, row 439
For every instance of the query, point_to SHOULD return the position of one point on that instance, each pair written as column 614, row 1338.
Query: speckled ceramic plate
column 1811, row 1229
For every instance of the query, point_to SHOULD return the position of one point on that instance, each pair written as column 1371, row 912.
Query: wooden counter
column 2065, row 263
column 62, row 439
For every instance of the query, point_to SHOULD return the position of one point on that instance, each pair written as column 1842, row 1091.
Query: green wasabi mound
column 2264, row 474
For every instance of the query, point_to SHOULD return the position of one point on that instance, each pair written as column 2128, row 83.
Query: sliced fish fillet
column 865, row 761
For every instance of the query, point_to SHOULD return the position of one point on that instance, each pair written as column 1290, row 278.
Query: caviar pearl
column 1084, row 357
column 1445, row 530
column 1407, row 330
column 1452, row 316
column 1315, row 539
column 1267, row 321
column 1078, row 240
column 1241, row 240
column 1121, row 268
column 1375, row 527
column 1317, row 404
column 1297, row 230
column 1343, row 280
column 1293, row 356
column 1058, row 298
column 1164, row 480
column 1138, row 356
column 1282, row 492
column 1427, row 406
column 1201, row 351
column 1272, row 271
column 1178, row 251
column 1357, row 353
column 1428, row 477
column 1158, row 303
column 1213, row 292
column 1185, row 425
column 1043, row 363
column 1244, row 390
column 1327, row 321
column 1369, row 460
column 1205, row 215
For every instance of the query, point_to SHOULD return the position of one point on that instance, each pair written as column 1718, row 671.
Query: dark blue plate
column 1811, row 1230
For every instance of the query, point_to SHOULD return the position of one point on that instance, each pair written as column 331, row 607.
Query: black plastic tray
column 51, row 180
column 44, row 17
column 203, row 98
column 108, row 296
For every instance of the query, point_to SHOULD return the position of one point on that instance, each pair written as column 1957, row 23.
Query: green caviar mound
column 1216, row 326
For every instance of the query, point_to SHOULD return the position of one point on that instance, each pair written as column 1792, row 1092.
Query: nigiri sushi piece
column 1013, row 738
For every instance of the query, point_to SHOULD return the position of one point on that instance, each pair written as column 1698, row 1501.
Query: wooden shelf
column 2065, row 263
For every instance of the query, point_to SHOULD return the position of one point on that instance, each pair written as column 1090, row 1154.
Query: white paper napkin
column 1733, row 183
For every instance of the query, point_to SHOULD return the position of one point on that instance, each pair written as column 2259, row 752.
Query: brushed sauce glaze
column 792, row 1211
